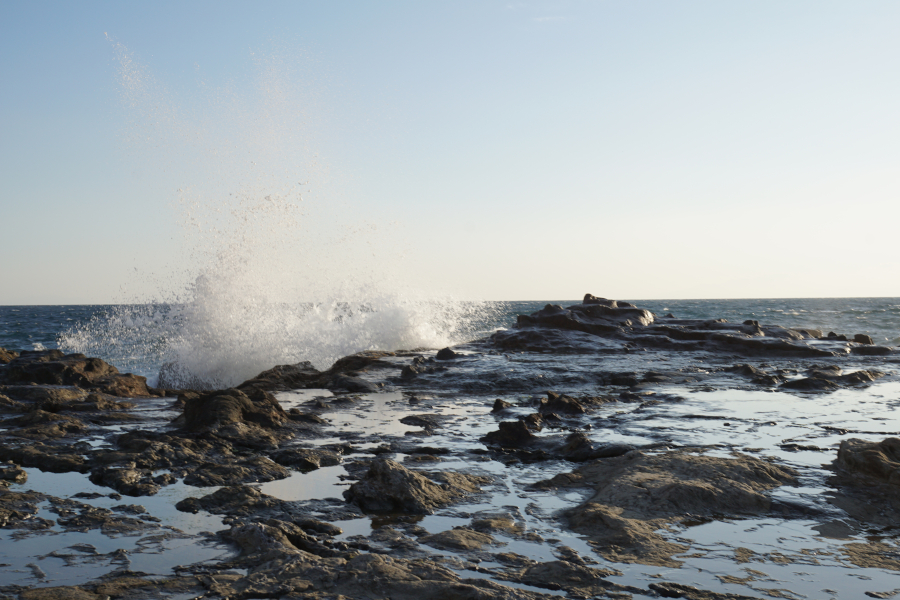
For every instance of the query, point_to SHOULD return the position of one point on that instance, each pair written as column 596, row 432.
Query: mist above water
column 275, row 267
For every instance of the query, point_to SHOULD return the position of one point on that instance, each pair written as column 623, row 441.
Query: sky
column 488, row 150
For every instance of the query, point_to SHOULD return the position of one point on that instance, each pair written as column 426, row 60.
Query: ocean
column 140, row 338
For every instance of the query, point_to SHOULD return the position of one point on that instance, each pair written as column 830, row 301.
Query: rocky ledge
column 604, row 400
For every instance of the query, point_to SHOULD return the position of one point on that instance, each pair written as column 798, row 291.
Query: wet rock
column 811, row 384
column 210, row 411
column 13, row 474
column 510, row 434
column 668, row 589
column 7, row 356
column 128, row 481
column 497, row 524
column 45, row 458
column 555, row 340
column 585, row 582
column 876, row 460
column 500, row 405
column 861, row 338
column 255, row 469
column 306, row 459
column 352, row 384
column 458, row 539
column 872, row 350
column 447, row 354
column 240, row 500
column 388, row 486
column 420, row 365
column 561, row 404
column 636, row 494
column 297, row 416
column 52, row 367
column 827, row 379
column 283, row 377
column 42, row 425
column 578, row 447
column 429, row 422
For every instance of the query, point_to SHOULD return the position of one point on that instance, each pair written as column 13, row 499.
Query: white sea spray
column 275, row 270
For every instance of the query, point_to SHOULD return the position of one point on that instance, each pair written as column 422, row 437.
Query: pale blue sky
column 507, row 150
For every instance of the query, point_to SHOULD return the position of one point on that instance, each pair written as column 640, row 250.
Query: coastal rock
column 212, row 410
column 306, row 459
column 636, row 494
column 52, row 367
column 876, row 460
column 447, row 354
column 388, row 486
column 46, row 458
column 254, row 469
column 7, row 356
column 459, row 539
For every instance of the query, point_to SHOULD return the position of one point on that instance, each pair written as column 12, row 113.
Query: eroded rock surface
column 637, row 494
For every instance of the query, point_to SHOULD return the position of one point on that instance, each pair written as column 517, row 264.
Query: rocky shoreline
column 586, row 421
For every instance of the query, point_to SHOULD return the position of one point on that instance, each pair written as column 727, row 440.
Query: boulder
column 209, row 411
column 388, row 486
column 877, row 460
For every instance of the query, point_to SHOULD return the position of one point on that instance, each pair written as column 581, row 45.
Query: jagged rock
column 447, row 354
column 509, row 434
column 7, row 356
column 131, row 482
column 45, row 458
column 211, row 411
column 878, row 460
column 388, row 486
column 284, row 377
column 561, row 404
column 254, row 469
column 306, row 459
column 52, row 367
column 239, row 500
column 500, row 405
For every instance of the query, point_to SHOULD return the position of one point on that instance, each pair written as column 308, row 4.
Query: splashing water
column 268, row 282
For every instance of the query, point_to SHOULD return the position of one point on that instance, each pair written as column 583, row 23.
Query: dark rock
column 131, row 482
column 306, row 459
column 872, row 350
column 878, row 460
column 560, row 403
column 210, row 411
column 52, row 367
column 811, row 384
column 390, row 487
column 45, row 458
column 447, row 354
column 254, row 469
column 861, row 338
column 352, row 384
column 500, row 405
column 509, row 434
column 284, row 377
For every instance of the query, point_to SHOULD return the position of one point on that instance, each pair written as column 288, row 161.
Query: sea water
column 141, row 338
